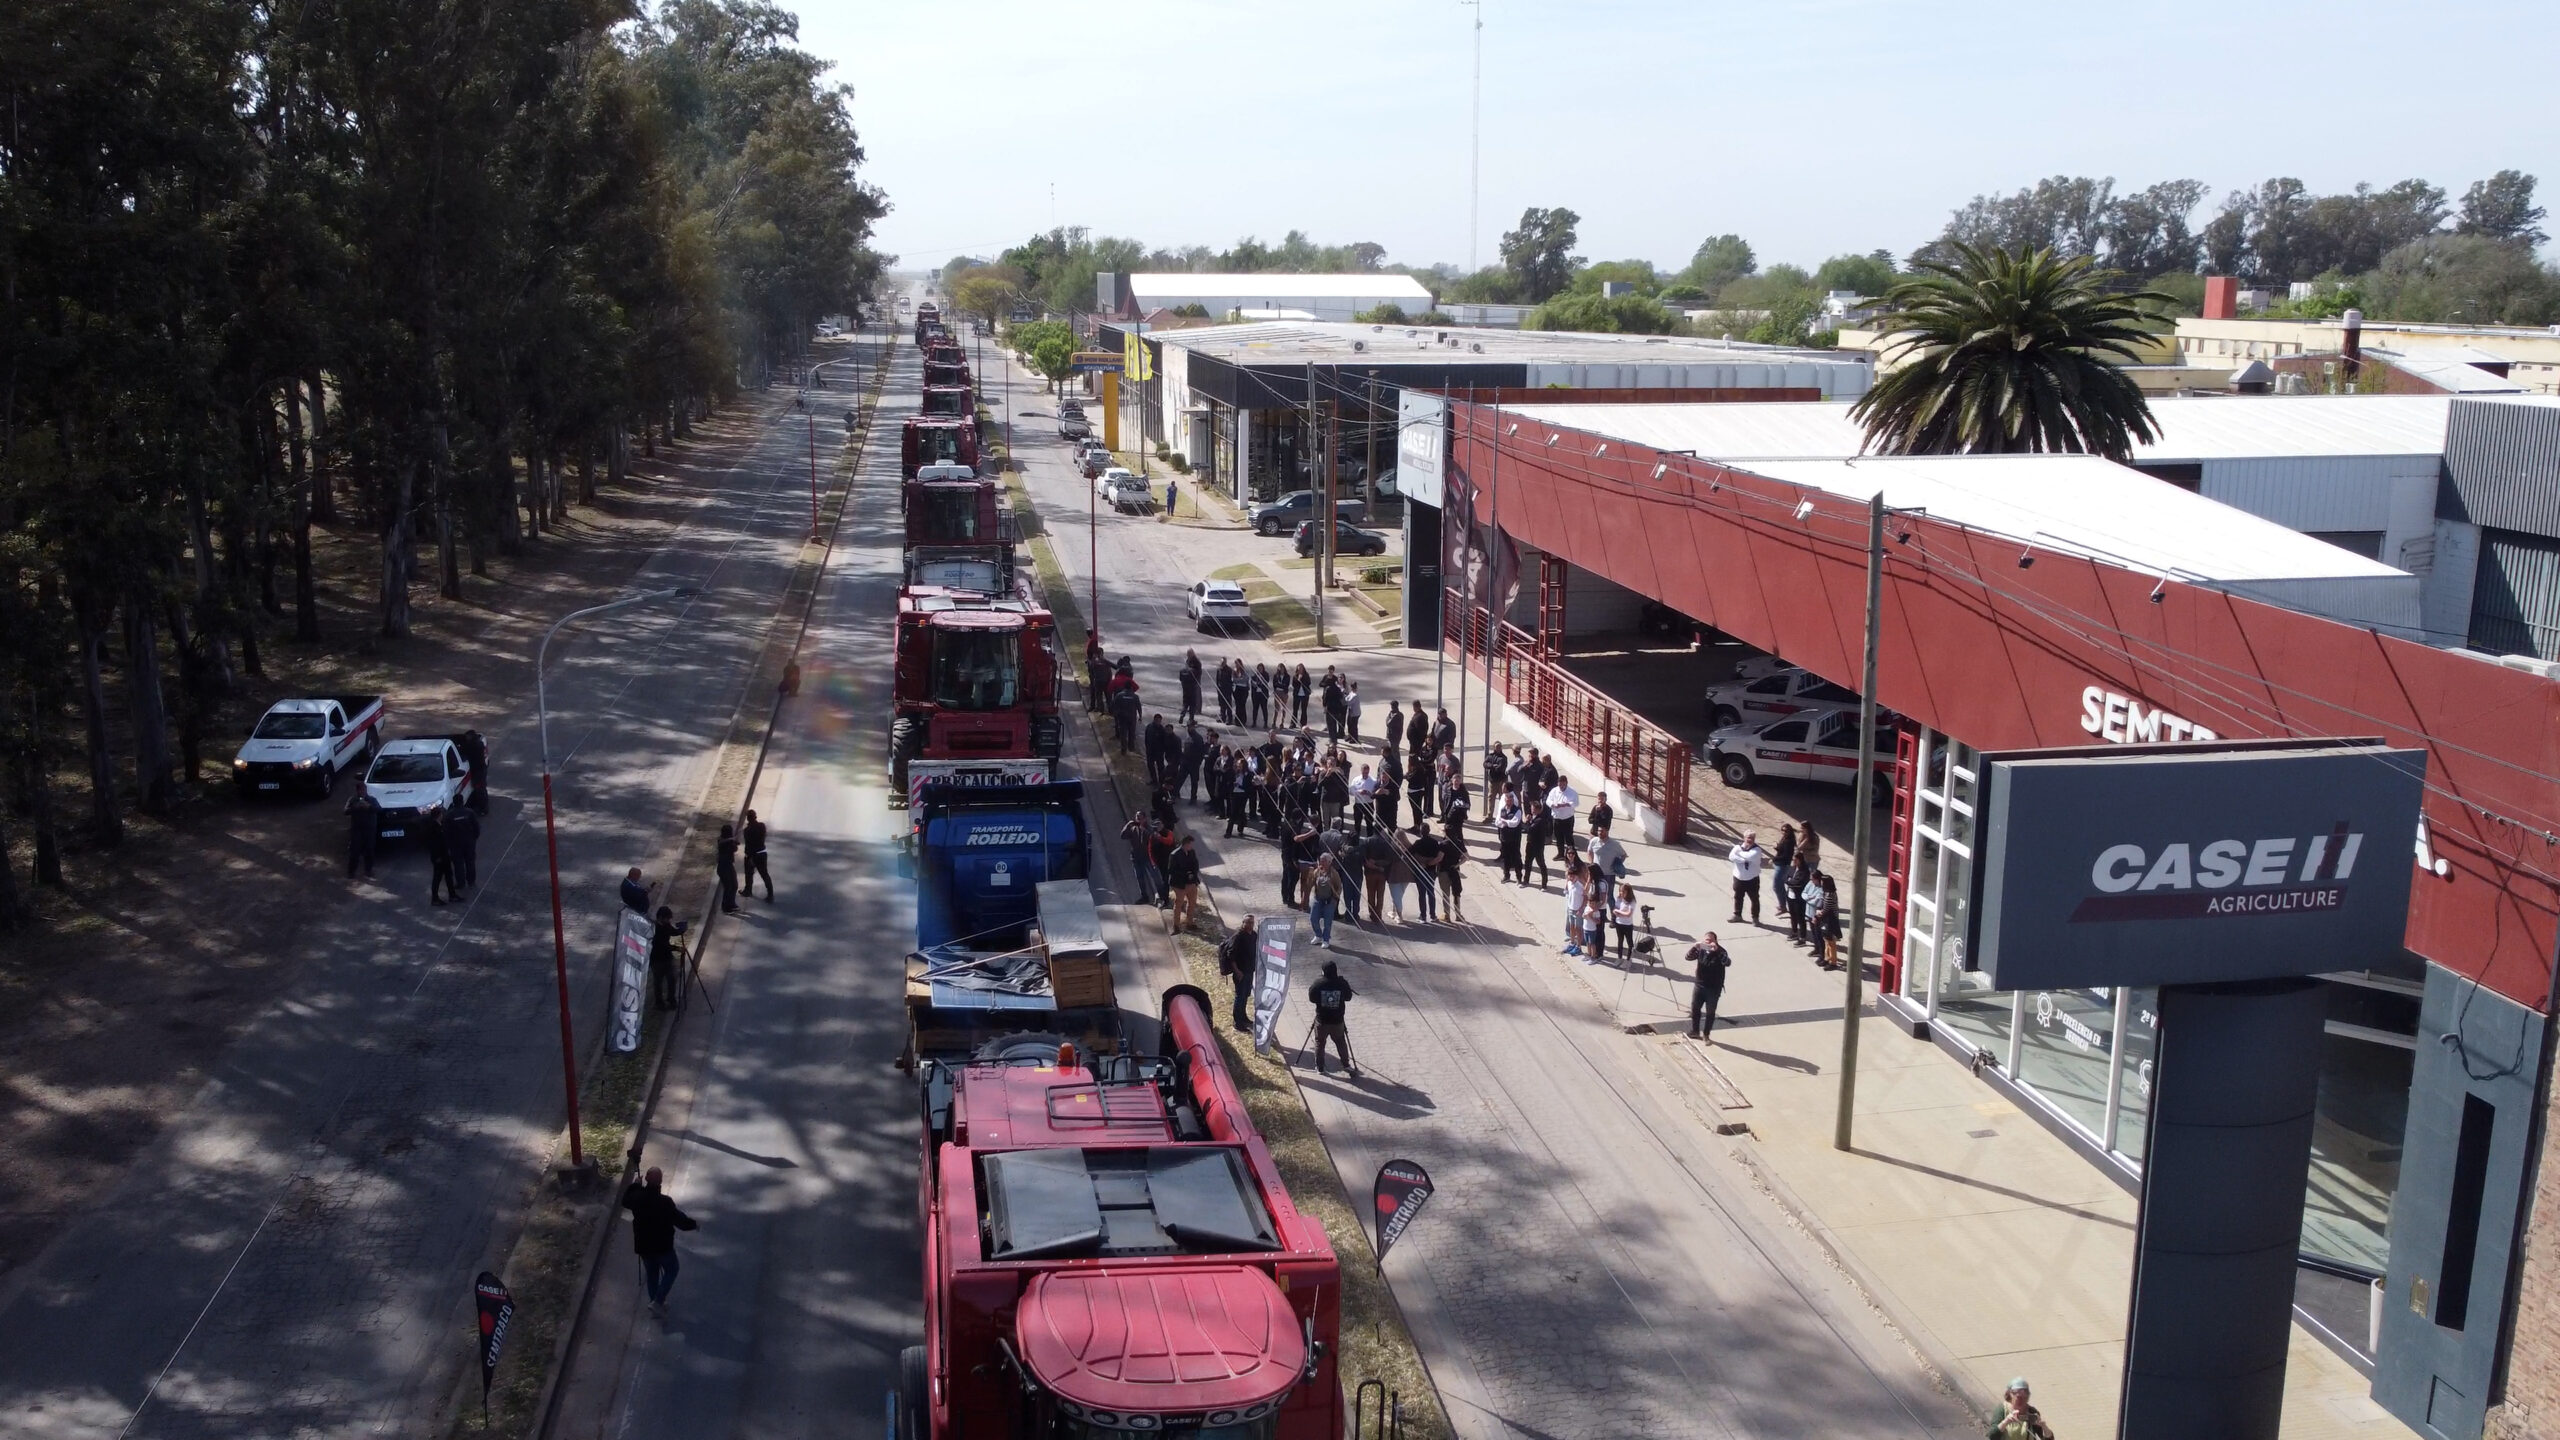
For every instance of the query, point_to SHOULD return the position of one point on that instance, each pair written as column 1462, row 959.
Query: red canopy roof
column 1155, row 1340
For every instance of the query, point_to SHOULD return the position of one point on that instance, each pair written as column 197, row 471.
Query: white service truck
column 305, row 744
column 413, row 776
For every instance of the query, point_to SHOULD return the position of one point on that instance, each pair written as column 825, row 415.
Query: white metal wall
column 1837, row 379
column 2395, row 494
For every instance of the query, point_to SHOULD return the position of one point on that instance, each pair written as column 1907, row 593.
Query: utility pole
column 1854, row 999
column 1475, row 134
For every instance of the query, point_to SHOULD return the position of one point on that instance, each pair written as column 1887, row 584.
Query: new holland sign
column 2158, row 867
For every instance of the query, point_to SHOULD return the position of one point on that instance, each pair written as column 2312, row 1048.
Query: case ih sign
column 2189, row 866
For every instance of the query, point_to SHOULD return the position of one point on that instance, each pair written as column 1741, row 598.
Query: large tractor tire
column 915, row 1399
column 906, row 742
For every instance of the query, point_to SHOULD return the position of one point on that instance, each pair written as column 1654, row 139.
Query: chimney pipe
column 2351, row 350
column 2221, row 297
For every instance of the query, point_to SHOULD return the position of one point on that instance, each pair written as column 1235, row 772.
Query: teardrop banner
column 497, row 1308
column 1401, row 1190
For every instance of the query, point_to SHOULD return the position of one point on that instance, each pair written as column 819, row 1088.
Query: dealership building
column 2242, row 591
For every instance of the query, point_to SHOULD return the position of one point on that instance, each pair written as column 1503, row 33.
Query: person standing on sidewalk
column 1706, row 985
column 2016, row 1419
column 1259, row 688
column 1134, row 835
column 1535, row 838
column 1561, row 803
column 1300, row 688
column 754, row 837
column 1351, row 710
column 1622, row 918
column 1791, row 886
column 1182, row 877
column 1507, row 821
column 462, row 837
column 724, row 868
column 1324, row 897
column 1236, row 959
column 1748, row 859
column 1576, row 889
column 1785, row 854
column 1190, row 686
column 654, row 1223
column 635, row 892
column 364, row 833
column 666, row 979
column 1332, row 704
column 1332, row 999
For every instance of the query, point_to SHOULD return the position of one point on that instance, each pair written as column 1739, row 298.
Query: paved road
column 1594, row 1265
column 293, row 1255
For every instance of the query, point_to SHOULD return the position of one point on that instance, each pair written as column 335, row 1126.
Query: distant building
column 1266, row 294
column 2530, row 357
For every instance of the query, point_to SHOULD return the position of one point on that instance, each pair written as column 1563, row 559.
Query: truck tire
column 1736, row 772
column 906, row 741
column 1724, row 715
column 915, row 1397
column 1018, row 1047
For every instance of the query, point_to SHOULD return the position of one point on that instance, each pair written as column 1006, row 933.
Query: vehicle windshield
column 297, row 725
column 950, row 515
column 977, row 669
column 940, row 444
column 406, row 770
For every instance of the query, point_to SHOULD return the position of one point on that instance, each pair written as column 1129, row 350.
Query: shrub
column 1378, row 574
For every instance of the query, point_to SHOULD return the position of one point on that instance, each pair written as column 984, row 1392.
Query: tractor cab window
column 950, row 516
column 977, row 669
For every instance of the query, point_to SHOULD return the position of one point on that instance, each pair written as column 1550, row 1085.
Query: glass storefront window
column 2140, row 1045
column 2065, row 1049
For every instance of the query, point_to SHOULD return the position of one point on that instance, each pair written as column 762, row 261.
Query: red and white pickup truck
column 306, row 744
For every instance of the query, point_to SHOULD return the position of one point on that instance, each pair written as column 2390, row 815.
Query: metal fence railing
column 1649, row 761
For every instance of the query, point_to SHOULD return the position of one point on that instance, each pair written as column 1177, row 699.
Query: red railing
column 1650, row 762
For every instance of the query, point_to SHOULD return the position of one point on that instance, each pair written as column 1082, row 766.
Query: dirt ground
column 137, row 978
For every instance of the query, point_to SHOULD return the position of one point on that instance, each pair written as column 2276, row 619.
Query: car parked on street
column 1128, row 494
column 1071, row 423
column 1112, row 478
column 1347, row 539
column 1218, row 603
column 1818, row 745
column 414, row 775
column 1767, row 698
column 1298, row 506
column 305, row 744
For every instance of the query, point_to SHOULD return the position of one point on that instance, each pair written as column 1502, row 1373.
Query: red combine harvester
column 959, row 536
column 936, row 440
column 928, row 323
column 951, row 400
column 1110, row 1253
column 975, row 686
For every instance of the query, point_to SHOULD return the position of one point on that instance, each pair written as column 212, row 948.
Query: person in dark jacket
column 654, row 1223
column 666, row 975
column 1134, row 836
column 1444, row 732
column 1706, row 986
column 364, row 832
column 1236, row 961
column 1300, row 687
column 475, row 753
column 1124, row 718
column 462, row 837
column 635, row 892
column 440, row 882
column 724, row 866
column 753, row 836
column 1190, row 687
column 1332, row 999
column 1195, row 749
column 1097, row 679
column 1182, row 877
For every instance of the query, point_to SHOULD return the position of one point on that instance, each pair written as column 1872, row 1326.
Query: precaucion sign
column 1271, row 979
column 630, row 979
column 1402, row 1189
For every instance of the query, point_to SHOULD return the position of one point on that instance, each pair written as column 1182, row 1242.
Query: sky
column 1810, row 127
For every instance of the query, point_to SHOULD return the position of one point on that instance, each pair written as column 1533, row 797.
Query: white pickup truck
column 413, row 776
column 305, row 744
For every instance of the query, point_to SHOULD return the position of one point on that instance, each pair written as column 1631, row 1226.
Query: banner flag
column 1401, row 1190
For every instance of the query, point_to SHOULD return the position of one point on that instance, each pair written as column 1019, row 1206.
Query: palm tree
column 2005, row 352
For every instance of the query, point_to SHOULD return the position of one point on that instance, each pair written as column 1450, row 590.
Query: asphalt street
column 293, row 1256
column 1594, row 1264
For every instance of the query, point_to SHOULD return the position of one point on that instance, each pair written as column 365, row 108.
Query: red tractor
column 959, row 535
column 937, row 440
column 1110, row 1253
column 975, row 679
column 951, row 400
column 928, row 323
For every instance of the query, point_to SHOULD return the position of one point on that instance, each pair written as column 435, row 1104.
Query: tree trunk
column 397, row 556
column 266, row 528
column 448, row 559
column 191, row 693
column 617, row 455
column 306, row 598
column 558, row 491
column 14, row 911
column 324, row 500
column 649, row 438
column 217, row 649
column 104, row 817
column 150, row 710
column 518, row 528
column 586, row 472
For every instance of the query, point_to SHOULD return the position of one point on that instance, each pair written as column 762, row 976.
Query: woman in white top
column 1575, row 889
column 1622, row 913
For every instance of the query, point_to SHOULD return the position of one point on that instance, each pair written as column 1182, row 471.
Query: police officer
column 475, row 753
column 1332, row 997
column 364, row 831
column 725, row 869
column 1236, row 960
column 440, row 881
column 1706, row 987
column 462, row 837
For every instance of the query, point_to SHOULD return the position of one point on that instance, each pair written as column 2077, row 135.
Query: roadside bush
column 1379, row 574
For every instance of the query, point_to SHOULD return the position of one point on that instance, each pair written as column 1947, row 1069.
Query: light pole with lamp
column 551, row 840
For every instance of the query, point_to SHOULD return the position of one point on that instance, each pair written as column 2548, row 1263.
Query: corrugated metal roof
column 1174, row 287
column 2192, row 427
column 2447, row 373
column 2083, row 505
column 1326, row 343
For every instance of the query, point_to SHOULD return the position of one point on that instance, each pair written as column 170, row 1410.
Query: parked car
column 1112, row 478
column 1291, row 510
column 1771, row 696
column 414, row 775
column 1072, row 425
column 1129, row 494
column 1347, row 539
column 1819, row 745
column 306, row 744
column 1220, row 603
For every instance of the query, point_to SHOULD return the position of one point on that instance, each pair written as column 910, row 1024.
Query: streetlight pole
column 1854, row 999
column 1475, row 135
column 551, row 842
